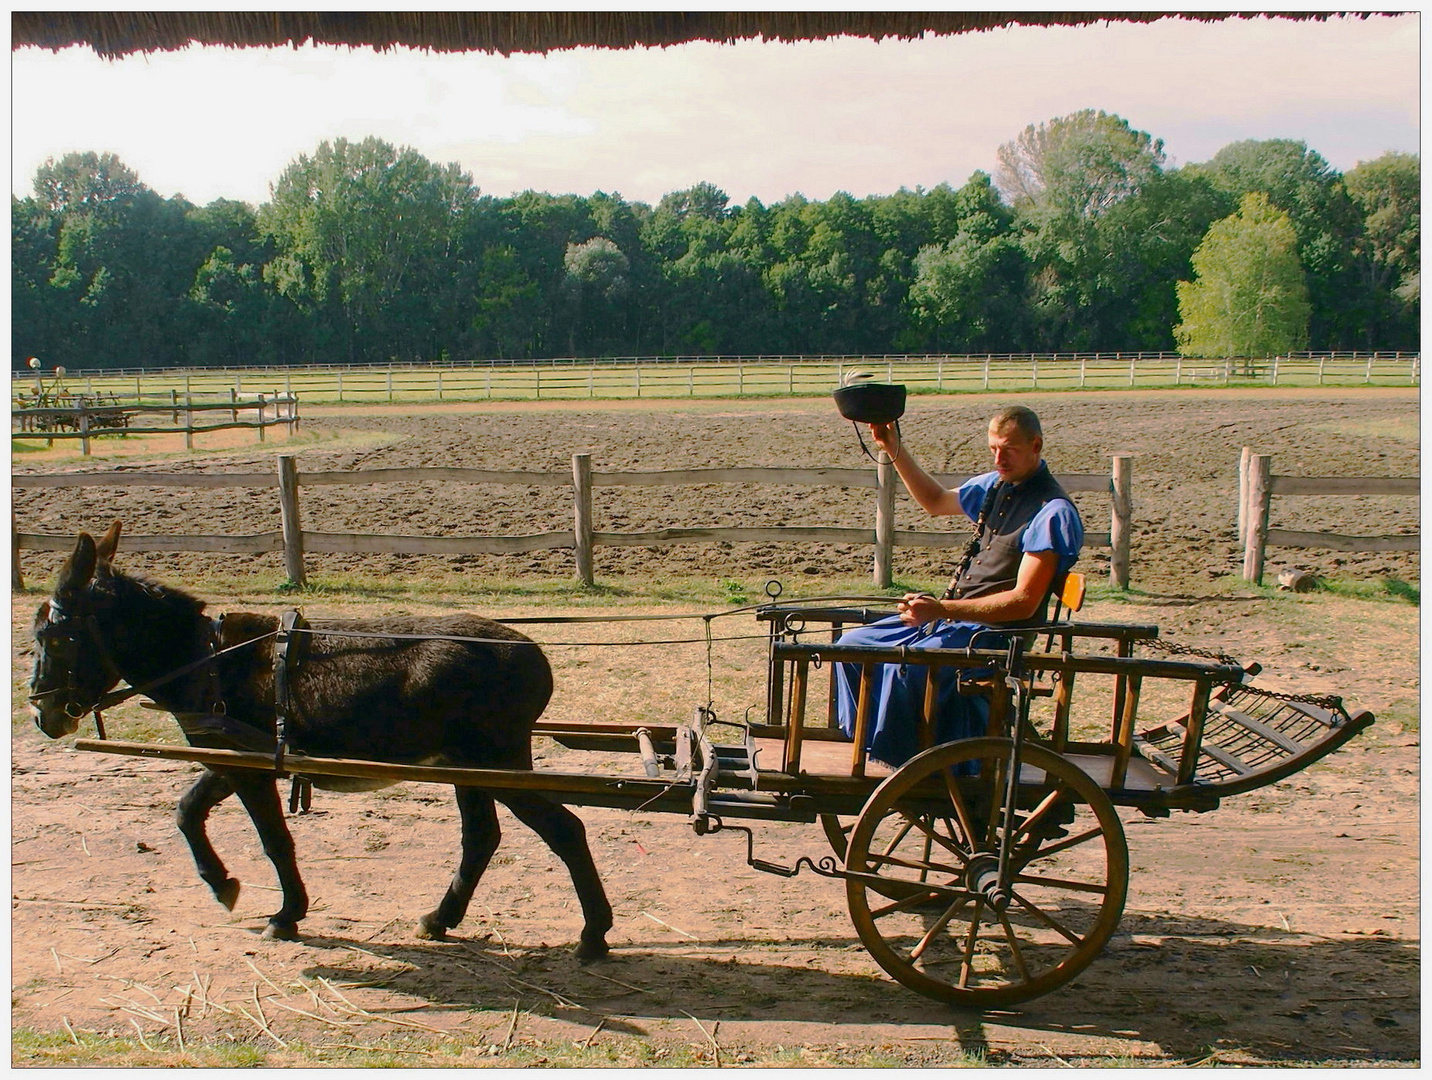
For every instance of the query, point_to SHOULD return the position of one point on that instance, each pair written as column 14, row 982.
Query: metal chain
column 1331, row 702
column 1160, row 645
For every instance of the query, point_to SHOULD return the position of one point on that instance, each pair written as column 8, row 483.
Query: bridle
column 65, row 627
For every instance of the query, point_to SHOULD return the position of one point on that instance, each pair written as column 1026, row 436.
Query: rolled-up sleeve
column 1058, row 528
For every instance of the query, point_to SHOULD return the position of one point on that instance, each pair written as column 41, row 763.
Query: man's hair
column 1021, row 417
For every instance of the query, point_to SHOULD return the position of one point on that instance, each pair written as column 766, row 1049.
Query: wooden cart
column 982, row 872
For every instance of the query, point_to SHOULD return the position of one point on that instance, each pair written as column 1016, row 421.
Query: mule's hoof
column 227, row 892
column 280, row 931
column 429, row 929
column 587, row 951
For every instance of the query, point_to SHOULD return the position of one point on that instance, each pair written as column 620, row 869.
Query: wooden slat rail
column 1239, row 749
column 1257, row 485
column 581, row 539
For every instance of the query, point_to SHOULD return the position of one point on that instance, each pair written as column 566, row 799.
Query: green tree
column 1388, row 248
column 596, row 284
column 969, row 293
column 1249, row 297
column 1301, row 182
column 364, row 234
column 1063, row 179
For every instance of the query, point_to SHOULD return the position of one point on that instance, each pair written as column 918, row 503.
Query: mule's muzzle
column 54, row 715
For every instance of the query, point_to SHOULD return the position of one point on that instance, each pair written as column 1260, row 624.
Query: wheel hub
column 982, row 878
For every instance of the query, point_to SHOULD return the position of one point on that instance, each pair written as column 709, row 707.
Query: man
column 1029, row 535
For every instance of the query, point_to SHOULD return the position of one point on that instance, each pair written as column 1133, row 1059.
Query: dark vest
column 996, row 566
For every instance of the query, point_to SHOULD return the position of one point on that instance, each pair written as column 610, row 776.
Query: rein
column 114, row 697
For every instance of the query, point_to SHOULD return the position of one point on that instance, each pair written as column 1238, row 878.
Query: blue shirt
column 1056, row 526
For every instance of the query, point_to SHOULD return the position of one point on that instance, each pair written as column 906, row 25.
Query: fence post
column 440, row 385
column 1243, row 462
column 16, row 581
column 986, row 371
column 233, row 406
column 340, row 387
column 84, row 430
column 1121, row 519
column 188, row 420
column 261, row 418
column 582, row 515
column 884, row 523
column 1178, row 372
column 1132, row 362
column 288, row 513
column 1259, row 482
column 174, row 405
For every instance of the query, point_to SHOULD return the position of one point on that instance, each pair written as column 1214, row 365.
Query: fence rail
column 695, row 377
column 1257, row 485
column 583, row 538
column 67, row 416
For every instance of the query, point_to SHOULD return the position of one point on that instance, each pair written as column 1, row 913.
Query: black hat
column 871, row 402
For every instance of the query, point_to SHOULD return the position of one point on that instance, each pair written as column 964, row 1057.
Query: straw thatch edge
column 118, row 33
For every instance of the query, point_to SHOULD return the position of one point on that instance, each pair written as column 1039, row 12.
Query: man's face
column 1016, row 457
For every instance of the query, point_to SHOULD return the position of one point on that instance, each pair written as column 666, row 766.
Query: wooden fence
column 569, row 378
column 66, row 416
column 1257, row 485
column 583, row 538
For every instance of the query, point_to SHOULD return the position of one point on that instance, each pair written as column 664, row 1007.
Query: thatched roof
column 116, row 33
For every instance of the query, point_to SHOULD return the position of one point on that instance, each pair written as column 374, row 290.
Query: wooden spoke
column 1059, row 883
column 967, row 963
column 1070, row 842
column 923, row 897
column 886, row 861
column 1015, row 949
column 1049, row 919
column 1037, row 814
column 939, row 926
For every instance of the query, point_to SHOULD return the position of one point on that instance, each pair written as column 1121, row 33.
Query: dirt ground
column 1281, row 928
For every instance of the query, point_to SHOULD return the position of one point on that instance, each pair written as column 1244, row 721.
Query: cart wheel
column 837, row 833
column 929, row 898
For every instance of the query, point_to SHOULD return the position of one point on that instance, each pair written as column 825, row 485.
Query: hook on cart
column 827, row 867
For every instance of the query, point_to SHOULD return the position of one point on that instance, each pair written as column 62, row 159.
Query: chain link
column 1160, row 645
column 1331, row 702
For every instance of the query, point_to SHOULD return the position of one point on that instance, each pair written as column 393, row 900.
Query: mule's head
column 70, row 674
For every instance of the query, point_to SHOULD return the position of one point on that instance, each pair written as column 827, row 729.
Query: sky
column 756, row 119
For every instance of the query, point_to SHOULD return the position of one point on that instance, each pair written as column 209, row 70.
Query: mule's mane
column 133, row 591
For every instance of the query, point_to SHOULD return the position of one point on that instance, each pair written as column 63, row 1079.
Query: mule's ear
column 104, row 550
column 78, row 568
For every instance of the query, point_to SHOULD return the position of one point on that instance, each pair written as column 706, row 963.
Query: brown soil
column 1281, row 928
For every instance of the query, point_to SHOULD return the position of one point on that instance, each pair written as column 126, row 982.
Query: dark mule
column 455, row 703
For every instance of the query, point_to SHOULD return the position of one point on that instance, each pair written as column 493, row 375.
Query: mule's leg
column 480, row 836
column 260, row 798
column 208, row 792
column 565, row 834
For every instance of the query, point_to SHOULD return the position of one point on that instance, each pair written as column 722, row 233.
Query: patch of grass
column 1389, row 589
column 39, row 1049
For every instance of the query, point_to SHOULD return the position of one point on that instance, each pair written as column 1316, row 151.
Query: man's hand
column 916, row 609
column 884, row 436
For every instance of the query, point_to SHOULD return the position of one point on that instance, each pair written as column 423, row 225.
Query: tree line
column 1082, row 240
